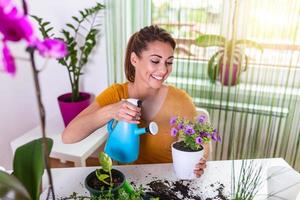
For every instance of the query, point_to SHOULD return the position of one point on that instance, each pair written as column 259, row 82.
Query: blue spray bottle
column 123, row 140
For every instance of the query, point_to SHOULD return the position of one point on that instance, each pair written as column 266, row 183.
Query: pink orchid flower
column 53, row 48
column 8, row 61
column 15, row 26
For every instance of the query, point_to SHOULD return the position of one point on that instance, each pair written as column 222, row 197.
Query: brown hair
column 139, row 41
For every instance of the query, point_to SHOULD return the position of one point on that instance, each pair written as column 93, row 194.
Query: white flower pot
column 184, row 162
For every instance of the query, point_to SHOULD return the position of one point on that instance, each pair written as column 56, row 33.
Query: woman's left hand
column 199, row 168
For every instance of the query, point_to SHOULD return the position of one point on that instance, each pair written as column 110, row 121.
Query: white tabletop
column 76, row 152
column 216, row 174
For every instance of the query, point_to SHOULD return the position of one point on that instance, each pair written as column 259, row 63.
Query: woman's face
column 154, row 64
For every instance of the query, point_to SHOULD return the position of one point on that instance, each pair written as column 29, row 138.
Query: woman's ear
column 133, row 59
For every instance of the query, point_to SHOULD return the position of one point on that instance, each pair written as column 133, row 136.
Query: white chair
column 283, row 183
column 2, row 168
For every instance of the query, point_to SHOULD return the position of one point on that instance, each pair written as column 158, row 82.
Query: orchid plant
column 15, row 26
column 195, row 132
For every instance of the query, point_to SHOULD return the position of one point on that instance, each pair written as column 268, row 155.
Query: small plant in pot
column 81, row 38
column 107, row 181
column 188, row 150
column 230, row 60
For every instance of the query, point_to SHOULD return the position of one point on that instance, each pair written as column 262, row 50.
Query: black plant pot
column 97, row 188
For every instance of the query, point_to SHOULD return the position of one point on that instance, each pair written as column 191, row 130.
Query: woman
column 148, row 63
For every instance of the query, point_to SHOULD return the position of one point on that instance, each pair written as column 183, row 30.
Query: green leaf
column 28, row 165
column 213, row 66
column 43, row 26
column 246, row 63
column 105, row 161
column 71, row 26
column 249, row 44
column 102, row 177
column 10, row 184
column 76, row 19
column 210, row 40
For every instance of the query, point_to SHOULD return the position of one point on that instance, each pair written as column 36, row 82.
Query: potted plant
column 81, row 38
column 230, row 60
column 188, row 150
column 106, row 180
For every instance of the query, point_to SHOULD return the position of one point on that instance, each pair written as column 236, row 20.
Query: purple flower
column 198, row 140
column 8, row 61
column 204, row 134
column 14, row 26
column 180, row 126
column 173, row 121
column 201, row 119
column 53, row 48
column 219, row 138
column 174, row 132
column 214, row 136
column 189, row 130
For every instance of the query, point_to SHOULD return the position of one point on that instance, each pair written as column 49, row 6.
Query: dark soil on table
column 179, row 190
column 219, row 189
column 181, row 147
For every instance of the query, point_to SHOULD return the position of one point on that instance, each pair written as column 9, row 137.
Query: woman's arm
column 90, row 119
column 94, row 117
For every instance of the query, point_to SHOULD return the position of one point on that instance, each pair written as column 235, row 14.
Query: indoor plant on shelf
column 230, row 60
column 188, row 150
column 81, row 37
column 31, row 158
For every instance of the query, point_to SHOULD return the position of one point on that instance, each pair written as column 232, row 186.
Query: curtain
column 122, row 19
column 259, row 116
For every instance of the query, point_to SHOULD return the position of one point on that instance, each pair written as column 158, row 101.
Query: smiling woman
column 148, row 63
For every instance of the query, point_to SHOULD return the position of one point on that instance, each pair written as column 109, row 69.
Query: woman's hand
column 124, row 110
column 199, row 169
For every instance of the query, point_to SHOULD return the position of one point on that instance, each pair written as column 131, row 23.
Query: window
column 275, row 25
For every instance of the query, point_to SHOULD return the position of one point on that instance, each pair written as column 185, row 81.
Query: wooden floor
column 55, row 163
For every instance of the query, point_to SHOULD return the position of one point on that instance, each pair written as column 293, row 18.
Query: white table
column 77, row 152
column 216, row 173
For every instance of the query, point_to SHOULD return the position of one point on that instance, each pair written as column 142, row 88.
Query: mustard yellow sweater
column 155, row 149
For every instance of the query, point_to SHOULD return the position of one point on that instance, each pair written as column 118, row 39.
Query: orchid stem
column 42, row 119
column 25, row 8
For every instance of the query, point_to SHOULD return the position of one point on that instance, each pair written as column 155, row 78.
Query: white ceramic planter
column 184, row 162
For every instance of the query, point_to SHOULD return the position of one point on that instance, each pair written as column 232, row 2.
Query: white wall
column 18, row 107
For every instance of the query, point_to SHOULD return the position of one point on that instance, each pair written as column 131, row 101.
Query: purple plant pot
column 234, row 74
column 68, row 109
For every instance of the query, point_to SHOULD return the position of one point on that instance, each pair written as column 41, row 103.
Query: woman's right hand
column 126, row 111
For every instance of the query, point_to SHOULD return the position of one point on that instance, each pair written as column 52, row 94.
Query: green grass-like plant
column 249, row 181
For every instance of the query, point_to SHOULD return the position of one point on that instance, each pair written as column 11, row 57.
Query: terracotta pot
column 69, row 110
column 184, row 162
column 226, row 74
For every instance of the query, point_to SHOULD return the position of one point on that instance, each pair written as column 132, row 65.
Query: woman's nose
column 163, row 67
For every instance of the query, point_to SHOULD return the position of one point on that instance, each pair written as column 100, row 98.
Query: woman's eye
column 169, row 63
column 154, row 61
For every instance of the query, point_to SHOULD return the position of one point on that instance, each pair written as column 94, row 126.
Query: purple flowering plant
column 195, row 132
column 15, row 27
